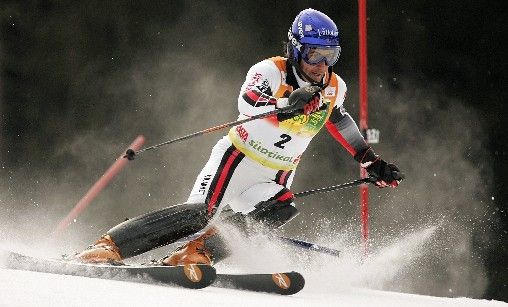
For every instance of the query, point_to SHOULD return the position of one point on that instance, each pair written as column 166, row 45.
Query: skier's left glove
column 384, row 174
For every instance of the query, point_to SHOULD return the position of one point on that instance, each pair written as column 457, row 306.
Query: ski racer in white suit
column 251, row 168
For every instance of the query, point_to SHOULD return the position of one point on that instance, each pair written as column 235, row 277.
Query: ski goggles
column 315, row 54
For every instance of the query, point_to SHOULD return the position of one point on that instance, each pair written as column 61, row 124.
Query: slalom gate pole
column 131, row 153
column 362, row 50
column 96, row 189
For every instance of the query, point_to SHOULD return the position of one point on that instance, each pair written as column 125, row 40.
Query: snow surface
column 330, row 281
column 22, row 288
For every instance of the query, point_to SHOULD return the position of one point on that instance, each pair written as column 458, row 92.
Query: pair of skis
column 194, row 276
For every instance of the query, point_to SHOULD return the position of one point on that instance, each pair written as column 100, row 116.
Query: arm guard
column 344, row 129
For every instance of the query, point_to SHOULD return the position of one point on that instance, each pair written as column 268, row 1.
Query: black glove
column 305, row 100
column 384, row 174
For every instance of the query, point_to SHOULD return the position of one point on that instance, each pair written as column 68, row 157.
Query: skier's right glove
column 305, row 100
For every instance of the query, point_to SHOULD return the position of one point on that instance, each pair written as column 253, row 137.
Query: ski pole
column 310, row 246
column 290, row 241
column 344, row 185
column 300, row 243
column 335, row 187
column 130, row 153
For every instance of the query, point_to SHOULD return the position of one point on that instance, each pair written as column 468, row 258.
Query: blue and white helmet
column 314, row 38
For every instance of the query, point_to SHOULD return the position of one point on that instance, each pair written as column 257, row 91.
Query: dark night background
column 79, row 80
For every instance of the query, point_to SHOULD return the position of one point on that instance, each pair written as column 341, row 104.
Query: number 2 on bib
column 285, row 138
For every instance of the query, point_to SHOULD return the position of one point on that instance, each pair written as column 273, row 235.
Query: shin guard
column 159, row 228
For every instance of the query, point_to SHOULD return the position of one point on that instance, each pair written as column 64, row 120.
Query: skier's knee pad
column 151, row 230
column 270, row 213
column 274, row 213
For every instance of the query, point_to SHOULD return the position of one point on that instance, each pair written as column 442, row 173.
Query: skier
column 250, row 170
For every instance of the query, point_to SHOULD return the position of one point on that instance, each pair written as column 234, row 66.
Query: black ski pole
column 130, row 154
column 304, row 244
column 310, row 246
column 316, row 247
column 290, row 241
column 335, row 187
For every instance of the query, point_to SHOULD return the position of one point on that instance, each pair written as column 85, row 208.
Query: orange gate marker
column 113, row 170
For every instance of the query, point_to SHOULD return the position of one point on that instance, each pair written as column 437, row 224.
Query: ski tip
column 283, row 283
column 288, row 283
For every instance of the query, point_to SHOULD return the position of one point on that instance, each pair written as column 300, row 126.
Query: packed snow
column 22, row 288
column 330, row 281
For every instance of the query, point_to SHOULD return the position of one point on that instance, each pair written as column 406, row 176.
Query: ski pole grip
column 398, row 175
column 129, row 154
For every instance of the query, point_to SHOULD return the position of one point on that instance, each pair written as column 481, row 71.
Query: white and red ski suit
column 256, row 161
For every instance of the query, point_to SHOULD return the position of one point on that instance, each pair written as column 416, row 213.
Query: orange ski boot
column 193, row 252
column 103, row 251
